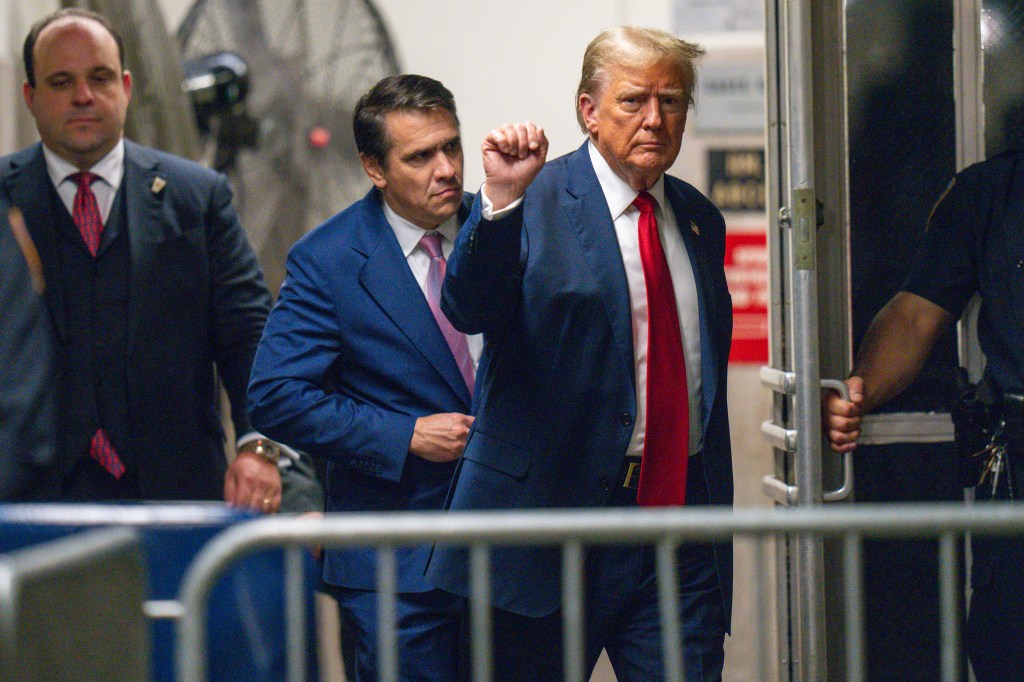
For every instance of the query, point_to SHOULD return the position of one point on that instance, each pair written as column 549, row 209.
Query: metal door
column 829, row 63
column 796, row 264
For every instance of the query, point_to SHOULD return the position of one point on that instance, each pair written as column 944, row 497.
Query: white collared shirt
column 626, row 218
column 110, row 170
column 409, row 237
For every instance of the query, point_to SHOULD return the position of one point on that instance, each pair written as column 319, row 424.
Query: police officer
column 974, row 245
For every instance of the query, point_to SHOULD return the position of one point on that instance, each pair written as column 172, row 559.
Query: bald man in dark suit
column 154, row 293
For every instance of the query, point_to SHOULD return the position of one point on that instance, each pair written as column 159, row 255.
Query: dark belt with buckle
column 629, row 475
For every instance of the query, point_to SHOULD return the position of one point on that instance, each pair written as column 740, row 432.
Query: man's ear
column 372, row 167
column 28, row 92
column 588, row 107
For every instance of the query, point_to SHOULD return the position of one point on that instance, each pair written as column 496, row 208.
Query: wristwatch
column 267, row 449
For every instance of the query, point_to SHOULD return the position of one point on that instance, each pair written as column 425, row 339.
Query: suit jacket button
column 605, row 484
column 627, row 419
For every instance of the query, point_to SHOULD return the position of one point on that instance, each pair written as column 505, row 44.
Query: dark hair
column 407, row 92
column 27, row 52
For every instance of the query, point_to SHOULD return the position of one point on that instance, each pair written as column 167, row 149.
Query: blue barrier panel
column 246, row 617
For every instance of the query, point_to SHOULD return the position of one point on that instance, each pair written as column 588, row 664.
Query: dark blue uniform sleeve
column 945, row 270
column 975, row 244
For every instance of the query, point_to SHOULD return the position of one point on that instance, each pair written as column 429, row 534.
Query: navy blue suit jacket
column 197, row 302
column 556, row 396
column 351, row 356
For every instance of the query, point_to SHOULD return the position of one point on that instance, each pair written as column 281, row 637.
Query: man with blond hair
column 599, row 285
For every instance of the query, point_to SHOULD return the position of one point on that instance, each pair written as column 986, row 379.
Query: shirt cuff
column 487, row 208
column 288, row 455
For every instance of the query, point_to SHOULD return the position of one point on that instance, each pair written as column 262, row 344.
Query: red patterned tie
column 431, row 243
column 666, row 441
column 102, row 450
column 86, row 214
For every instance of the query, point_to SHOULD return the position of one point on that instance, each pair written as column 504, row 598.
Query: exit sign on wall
column 746, row 269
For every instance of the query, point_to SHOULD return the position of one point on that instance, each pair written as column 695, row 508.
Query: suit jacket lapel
column 586, row 210
column 28, row 187
column 706, row 295
column 389, row 282
column 145, row 228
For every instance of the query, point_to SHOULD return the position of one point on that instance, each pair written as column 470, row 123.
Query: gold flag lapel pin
column 158, row 184
column 693, row 226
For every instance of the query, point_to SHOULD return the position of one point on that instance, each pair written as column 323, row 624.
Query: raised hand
column 513, row 155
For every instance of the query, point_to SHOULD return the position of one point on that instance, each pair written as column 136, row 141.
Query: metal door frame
column 809, row 270
column 795, row 373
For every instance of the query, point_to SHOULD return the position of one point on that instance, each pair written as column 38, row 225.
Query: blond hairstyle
column 634, row 47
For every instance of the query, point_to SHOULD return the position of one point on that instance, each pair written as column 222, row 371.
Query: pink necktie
column 431, row 243
column 666, row 442
column 86, row 214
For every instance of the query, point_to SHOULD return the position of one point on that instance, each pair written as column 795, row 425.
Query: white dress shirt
column 110, row 170
column 626, row 219
column 409, row 237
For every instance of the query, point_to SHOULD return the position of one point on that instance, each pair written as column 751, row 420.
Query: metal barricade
column 245, row 615
column 71, row 609
column 574, row 530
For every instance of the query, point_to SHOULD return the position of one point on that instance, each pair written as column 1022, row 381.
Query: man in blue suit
column 358, row 365
column 602, row 297
column 153, row 291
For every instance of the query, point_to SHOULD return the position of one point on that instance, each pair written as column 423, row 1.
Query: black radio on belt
column 975, row 419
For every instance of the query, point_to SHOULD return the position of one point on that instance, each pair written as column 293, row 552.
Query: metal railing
column 92, row 584
column 573, row 530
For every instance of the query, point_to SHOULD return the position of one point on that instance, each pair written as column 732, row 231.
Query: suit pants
column 429, row 628
column 621, row 614
column 995, row 624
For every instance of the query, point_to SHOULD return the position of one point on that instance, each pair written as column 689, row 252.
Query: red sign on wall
column 746, row 269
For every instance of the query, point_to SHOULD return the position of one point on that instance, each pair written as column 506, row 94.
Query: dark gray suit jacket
column 197, row 304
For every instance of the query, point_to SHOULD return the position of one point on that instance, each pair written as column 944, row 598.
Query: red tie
column 431, row 243
column 666, row 441
column 102, row 450
column 86, row 214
